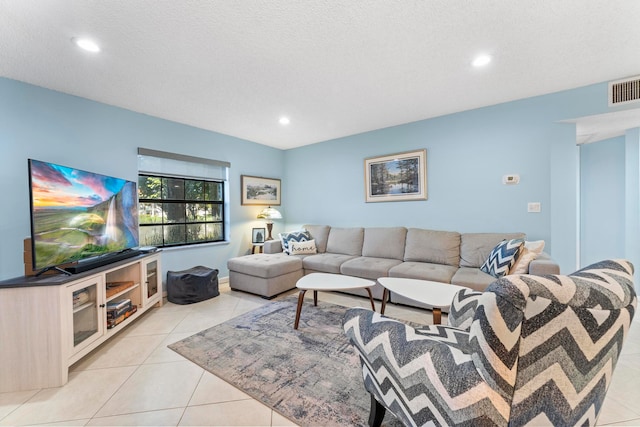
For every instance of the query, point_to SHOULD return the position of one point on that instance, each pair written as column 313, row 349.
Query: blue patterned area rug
column 311, row 376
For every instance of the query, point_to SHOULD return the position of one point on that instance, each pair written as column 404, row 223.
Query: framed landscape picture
column 396, row 177
column 260, row 191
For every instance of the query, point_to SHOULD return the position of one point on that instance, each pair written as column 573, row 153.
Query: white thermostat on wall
column 511, row 179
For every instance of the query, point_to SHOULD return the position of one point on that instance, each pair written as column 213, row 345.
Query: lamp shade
column 270, row 213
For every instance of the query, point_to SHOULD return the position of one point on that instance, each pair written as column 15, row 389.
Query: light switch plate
column 533, row 207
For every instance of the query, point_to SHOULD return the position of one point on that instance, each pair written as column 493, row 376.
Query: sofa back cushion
column 385, row 242
column 438, row 247
column 346, row 241
column 319, row 233
column 476, row 247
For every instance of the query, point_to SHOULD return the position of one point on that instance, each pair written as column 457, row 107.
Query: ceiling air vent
column 624, row 91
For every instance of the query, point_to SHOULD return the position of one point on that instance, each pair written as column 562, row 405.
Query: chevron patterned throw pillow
column 503, row 257
column 293, row 236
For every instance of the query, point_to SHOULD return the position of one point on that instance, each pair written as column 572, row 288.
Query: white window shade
column 173, row 164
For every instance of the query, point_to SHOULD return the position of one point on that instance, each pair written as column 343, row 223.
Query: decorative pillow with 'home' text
column 293, row 236
column 302, row 248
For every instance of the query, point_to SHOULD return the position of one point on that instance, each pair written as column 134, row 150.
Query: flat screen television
column 78, row 215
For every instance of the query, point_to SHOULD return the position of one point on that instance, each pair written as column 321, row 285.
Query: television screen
column 77, row 215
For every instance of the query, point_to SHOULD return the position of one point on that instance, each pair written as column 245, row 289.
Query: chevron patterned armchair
column 536, row 350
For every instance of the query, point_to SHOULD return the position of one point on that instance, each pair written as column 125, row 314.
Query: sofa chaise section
column 264, row 274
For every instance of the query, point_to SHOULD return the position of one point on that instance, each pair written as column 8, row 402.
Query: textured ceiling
column 336, row 68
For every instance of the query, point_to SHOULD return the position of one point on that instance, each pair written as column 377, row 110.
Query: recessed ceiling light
column 86, row 44
column 284, row 120
column 481, row 60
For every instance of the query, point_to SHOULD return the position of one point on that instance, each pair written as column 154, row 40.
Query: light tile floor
column 134, row 379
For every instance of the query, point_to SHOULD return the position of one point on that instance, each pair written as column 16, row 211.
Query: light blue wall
column 467, row 155
column 51, row 126
column 602, row 199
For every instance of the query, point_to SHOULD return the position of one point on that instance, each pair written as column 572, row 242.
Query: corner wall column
column 565, row 199
column 632, row 200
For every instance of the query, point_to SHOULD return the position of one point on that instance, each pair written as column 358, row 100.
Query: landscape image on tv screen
column 77, row 214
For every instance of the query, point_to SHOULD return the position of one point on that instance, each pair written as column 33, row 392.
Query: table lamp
column 269, row 214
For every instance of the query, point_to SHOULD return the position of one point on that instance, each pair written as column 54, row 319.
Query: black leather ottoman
column 193, row 285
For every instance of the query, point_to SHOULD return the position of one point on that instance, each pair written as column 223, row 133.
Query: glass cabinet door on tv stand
column 152, row 281
column 85, row 299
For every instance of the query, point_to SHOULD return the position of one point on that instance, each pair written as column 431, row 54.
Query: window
column 176, row 210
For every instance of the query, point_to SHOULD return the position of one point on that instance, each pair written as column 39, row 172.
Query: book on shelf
column 80, row 297
column 118, row 308
column 112, row 314
column 116, row 305
column 115, row 287
column 115, row 284
column 112, row 323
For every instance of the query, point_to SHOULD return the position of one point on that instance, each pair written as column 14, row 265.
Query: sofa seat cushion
column 265, row 265
column 424, row 271
column 368, row 267
column 472, row 278
column 325, row 263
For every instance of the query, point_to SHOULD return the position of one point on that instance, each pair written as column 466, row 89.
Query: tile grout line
column 115, row 392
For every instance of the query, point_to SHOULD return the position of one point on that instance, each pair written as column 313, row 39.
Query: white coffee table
column 329, row 282
column 436, row 294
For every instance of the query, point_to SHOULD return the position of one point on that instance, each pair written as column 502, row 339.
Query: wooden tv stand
column 50, row 322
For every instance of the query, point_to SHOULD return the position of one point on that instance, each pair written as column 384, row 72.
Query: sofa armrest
column 272, row 247
column 543, row 265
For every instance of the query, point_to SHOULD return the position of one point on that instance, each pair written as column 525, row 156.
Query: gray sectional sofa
column 442, row 256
